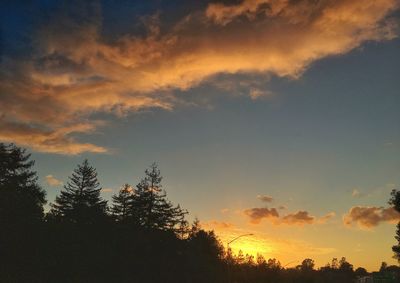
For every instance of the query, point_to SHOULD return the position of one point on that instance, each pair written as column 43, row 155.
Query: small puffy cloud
column 368, row 217
column 265, row 198
column 299, row 218
column 107, row 190
column 259, row 213
column 53, row 181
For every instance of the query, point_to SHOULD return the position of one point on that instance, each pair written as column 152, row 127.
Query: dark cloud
column 265, row 198
column 298, row 218
column 257, row 214
column 370, row 216
column 302, row 217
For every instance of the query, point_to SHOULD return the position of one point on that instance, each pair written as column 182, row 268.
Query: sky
column 272, row 117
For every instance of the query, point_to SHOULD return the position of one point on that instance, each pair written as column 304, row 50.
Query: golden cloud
column 53, row 181
column 75, row 73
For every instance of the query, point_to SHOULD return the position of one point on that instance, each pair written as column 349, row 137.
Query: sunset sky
column 273, row 117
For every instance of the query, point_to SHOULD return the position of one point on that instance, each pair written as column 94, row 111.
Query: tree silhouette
column 307, row 265
column 21, row 198
column 361, row 271
column 152, row 208
column 122, row 208
column 383, row 266
column 80, row 201
column 21, row 213
column 160, row 239
column 395, row 202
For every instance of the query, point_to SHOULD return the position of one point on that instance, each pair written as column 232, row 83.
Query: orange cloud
column 53, row 181
column 370, row 216
column 75, row 73
column 55, row 140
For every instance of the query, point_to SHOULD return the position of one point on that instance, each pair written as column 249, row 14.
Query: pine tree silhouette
column 395, row 202
column 122, row 208
column 80, row 201
column 21, row 198
column 152, row 208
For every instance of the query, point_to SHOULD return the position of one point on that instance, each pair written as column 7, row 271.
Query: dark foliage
column 151, row 207
column 141, row 238
column 395, row 202
column 21, row 198
column 80, row 201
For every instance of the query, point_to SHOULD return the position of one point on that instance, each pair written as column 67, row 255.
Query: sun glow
column 252, row 245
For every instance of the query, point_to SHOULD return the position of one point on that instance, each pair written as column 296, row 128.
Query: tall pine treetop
column 80, row 201
column 151, row 206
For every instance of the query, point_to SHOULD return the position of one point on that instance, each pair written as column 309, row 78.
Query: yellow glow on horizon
column 252, row 245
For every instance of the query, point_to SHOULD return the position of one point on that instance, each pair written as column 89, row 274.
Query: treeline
column 139, row 237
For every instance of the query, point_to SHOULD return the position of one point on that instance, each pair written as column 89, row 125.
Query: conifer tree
column 395, row 202
column 152, row 208
column 80, row 201
column 122, row 208
column 21, row 198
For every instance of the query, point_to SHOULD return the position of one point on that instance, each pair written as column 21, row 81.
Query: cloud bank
column 74, row 72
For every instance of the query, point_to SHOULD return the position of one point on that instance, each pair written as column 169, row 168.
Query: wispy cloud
column 326, row 217
column 265, row 198
column 215, row 224
column 356, row 193
column 53, row 181
column 74, row 72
